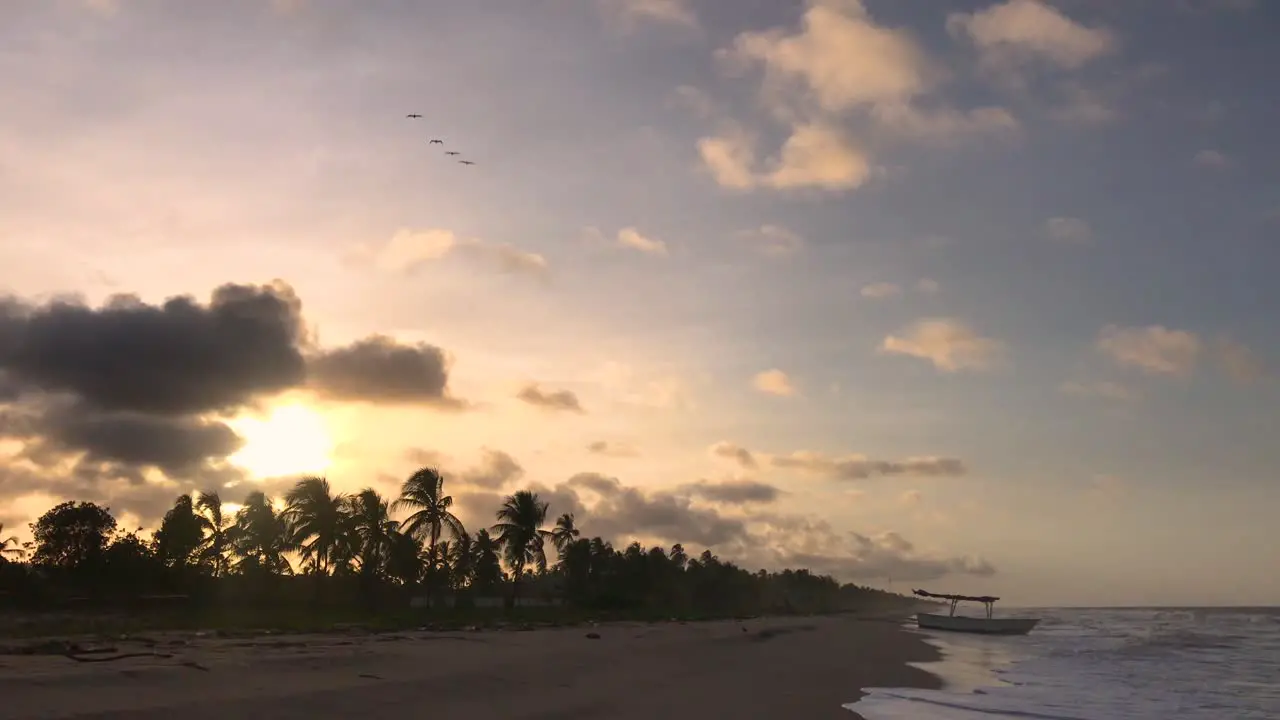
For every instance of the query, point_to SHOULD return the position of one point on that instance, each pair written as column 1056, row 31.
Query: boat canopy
column 955, row 598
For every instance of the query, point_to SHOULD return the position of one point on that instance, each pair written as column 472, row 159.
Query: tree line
column 349, row 546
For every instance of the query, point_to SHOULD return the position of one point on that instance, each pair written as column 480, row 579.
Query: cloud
column 838, row 69
column 774, row 240
column 1018, row 32
column 612, row 449
column 677, row 13
column 815, row 155
column 1154, row 349
column 928, row 287
column 128, row 401
column 1211, row 160
column 496, row 469
column 381, row 370
column 773, row 382
column 564, row 400
column 860, row 467
column 736, row 453
column 730, row 158
column 621, row 511
column 819, row 156
column 733, row 492
column 631, row 238
column 910, row 497
column 880, row 291
column 840, row 57
column 408, row 251
column 1239, row 362
column 947, row 343
column 1069, row 230
column 1103, row 389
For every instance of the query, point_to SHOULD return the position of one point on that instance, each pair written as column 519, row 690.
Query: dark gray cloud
column 736, row 453
column 177, row 358
column 612, row 449
column 621, row 511
column 856, row 468
column 733, row 492
column 124, row 402
column 550, row 399
column 380, row 370
column 495, row 470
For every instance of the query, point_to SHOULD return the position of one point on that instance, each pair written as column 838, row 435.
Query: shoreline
column 764, row 667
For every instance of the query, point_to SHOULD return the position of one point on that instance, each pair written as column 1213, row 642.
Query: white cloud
column 1070, row 230
column 843, row 58
column 1239, row 361
column 949, row 344
column 666, row 12
column 813, row 156
column 731, row 159
column 1155, row 349
column 928, row 286
column 819, row 156
column 1019, row 31
column 773, row 382
column 409, row 250
column 880, row 290
column 774, row 240
column 630, row 237
column 1211, row 160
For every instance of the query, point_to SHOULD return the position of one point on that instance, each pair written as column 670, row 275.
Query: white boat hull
column 969, row 624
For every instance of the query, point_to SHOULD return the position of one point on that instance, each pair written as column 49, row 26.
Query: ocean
column 1102, row 664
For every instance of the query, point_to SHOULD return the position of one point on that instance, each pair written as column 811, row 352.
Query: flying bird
column 413, row 115
column 466, row 162
column 452, row 152
column 437, row 142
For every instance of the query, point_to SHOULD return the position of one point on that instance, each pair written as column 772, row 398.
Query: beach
column 797, row 667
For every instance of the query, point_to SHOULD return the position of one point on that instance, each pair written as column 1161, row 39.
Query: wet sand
column 803, row 668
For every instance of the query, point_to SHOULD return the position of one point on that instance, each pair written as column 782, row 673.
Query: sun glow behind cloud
column 290, row 439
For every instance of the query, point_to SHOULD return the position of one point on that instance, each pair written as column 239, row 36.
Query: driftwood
column 113, row 658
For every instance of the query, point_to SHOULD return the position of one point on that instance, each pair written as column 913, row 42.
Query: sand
column 763, row 668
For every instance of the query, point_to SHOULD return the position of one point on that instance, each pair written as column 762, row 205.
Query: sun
column 288, row 440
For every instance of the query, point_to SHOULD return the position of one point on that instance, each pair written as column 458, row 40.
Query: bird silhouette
column 466, row 162
column 413, row 115
column 452, row 152
column 437, row 142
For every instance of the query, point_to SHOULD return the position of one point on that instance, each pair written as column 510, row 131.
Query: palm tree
column 565, row 533
column 486, row 566
column 319, row 524
column 260, row 536
column 404, row 558
column 423, row 493
column 213, row 550
column 6, row 551
column 373, row 527
column 462, row 561
column 521, row 536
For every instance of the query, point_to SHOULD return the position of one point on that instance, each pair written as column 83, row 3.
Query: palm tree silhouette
column 373, row 527
column 213, row 552
column 423, row 493
column 520, row 535
column 565, row 533
column 260, row 536
column 6, row 551
column 319, row 524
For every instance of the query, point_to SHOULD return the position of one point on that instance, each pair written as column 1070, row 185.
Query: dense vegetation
column 323, row 549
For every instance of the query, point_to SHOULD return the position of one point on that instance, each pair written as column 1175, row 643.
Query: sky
column 970, row 296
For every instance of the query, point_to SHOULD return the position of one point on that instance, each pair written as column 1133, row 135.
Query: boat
column 967, row 623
